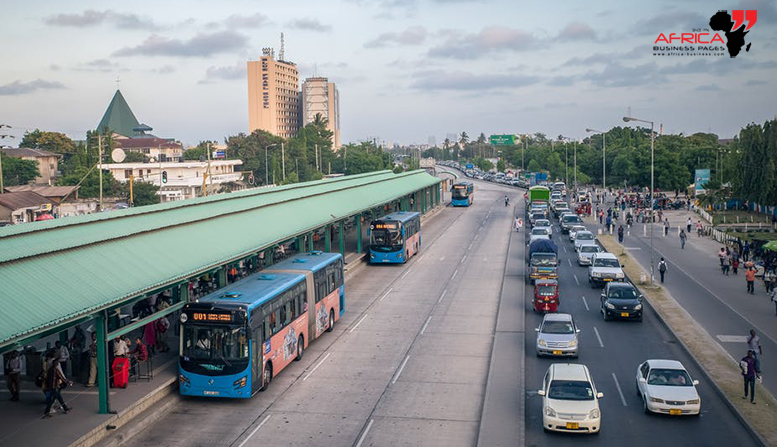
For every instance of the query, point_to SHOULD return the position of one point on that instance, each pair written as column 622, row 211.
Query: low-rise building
column 156, row 148
column 47, row 162
column 184, row 180
column 23, row 206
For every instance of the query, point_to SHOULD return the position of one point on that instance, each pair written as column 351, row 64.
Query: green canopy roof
column 61, row 270
column 119, row 117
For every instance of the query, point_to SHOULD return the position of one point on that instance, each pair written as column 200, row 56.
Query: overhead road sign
column 502, row 140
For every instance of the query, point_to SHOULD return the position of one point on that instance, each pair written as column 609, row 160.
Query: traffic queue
column 570, row 400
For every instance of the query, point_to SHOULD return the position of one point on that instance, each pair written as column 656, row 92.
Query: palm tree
column 463, row 138
column 446, row 144
column 320, row 121
column 482, row 138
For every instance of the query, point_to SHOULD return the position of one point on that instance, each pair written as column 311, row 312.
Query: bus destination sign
column 212, row 317
column 385, row 226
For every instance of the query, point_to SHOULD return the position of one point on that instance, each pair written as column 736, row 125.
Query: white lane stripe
column 598, row 337
column 565, row 249
column 476, row 236
column 618, row 386
column 423, row 329
column 585, row 303
column 407, row 272
column 386, row 294
column 255, row 430
column 470, row 244
column 454, row 273
column 576, row 280
column 570, row 262
column 464, row 258
column 400, row 370
column 364, row 435
column 357, row 324
column 316, row 367
column 443, row 295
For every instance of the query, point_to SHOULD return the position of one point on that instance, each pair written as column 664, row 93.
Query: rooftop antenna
column 281, row 54
column 117, row 82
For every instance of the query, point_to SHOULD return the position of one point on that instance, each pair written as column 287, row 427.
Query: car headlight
column 372, row 256
column 241, row 382
column 573, row 343
column 693, row 402
column 609, row 305
column 638, row 307
column 550, row 412
column 619, row 275
column 183, row 380
column 400, row 255
column 541, row 342
column 656, row 400
column 593, row 414
column 595, row 274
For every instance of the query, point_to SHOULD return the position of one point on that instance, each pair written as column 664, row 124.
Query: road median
column 719, row 366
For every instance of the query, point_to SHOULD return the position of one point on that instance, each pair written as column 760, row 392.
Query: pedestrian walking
column 162, row 325
column 699, row 228
column 726, row 263
column 735, row 264
column 773, row 297
column 13, row 374
column 683, row 236
column 149, row 336
column 749, row 373
column 769, row 279
column 662, row 269
column 90, row 382
column 620, row 234
column 746, row 251
column 63, row 355
column 518, row 224
column 54, row 382
column 754, row 344
column 77, row 344
column 608, row 222
column 688, row 225
column 601, row 216
column 666, row 226
column 750, row 278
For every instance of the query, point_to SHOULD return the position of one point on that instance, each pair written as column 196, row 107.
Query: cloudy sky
column 406, row 69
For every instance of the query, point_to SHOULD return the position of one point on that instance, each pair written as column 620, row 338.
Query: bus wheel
column 331, row 321
column 266, row 377
column 300, row 348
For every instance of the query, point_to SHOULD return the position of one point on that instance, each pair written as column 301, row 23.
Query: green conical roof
column 119, row 117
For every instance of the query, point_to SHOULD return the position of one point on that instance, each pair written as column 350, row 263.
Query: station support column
column 328, row 239
column 310, row 241
column 268, row 256
column 301, row 243
column 101, row 329
column 358, row 233
column 342, row 237
column 221, row 274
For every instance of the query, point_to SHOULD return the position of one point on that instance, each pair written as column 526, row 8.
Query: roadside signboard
column 470, row 166
column 700, row 180
column 502, row 140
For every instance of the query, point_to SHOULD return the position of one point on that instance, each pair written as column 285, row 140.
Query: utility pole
column 100, row 150
column 317, row 166
column 283, row 162
column 210, row 179
column 1, row 156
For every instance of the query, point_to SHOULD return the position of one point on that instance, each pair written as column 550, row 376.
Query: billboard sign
column 502, row 140
column 700, row 180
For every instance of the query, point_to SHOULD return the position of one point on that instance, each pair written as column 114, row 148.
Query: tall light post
column 604, row 155
column 652, row 189
column 266, row 170
column 1, row 156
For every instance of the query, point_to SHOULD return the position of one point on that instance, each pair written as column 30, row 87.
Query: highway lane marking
column 407, row 273
column 598, row 337
column 396, row 377
column 570, row 264
column 732, row 338
column 576, row 280
column 481, row 227
column 465, row 256
column 454, row 273
column 364, row 435
column 632, row 248
column 565, row 249
column 618, row 386
column 470, row 244
column 386, row 294
column 255, row 430
column 316, row 367
column 357, row 324
column 476, row 236
column 423, row 329
column 443, row 295
column 585, row 303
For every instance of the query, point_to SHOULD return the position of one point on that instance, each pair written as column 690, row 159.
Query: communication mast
column 282, row 53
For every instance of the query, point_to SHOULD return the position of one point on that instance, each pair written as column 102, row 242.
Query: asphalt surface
column 433, row 353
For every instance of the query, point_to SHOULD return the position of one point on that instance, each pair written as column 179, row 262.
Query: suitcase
column 120, row 372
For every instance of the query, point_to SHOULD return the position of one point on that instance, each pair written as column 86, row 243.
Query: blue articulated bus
column 394, row 238
column 235, row 340
column 462, row 194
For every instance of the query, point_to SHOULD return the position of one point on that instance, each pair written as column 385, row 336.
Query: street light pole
column 604, row 156
column 652, row 187
column 266, row 170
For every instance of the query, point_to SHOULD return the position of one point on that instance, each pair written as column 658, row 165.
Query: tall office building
column 273, row 95
column 319, row 96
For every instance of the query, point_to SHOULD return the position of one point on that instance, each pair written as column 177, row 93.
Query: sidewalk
column 719, row 303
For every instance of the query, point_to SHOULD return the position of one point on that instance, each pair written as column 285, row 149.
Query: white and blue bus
column 235, row 340
column 394, row 238
column 462, row 194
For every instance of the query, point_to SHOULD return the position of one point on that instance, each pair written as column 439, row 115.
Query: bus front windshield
column 460, row 192
column 386, row 236
column 214, row 343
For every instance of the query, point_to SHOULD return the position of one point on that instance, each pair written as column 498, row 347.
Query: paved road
column 426, row 348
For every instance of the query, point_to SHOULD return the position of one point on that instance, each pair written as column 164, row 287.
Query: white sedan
column 665, row 387
column 584, row 238
column 573, row 231
column 538, row 233
column 544, row 223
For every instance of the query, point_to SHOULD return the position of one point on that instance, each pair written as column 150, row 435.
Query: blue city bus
column 394, row 238
column 235, row 340
column 462, row 194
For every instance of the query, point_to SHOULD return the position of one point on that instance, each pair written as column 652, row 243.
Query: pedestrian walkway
column 719, row 303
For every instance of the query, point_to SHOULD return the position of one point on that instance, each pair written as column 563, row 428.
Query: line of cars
column 570, row 399
column 472, row 171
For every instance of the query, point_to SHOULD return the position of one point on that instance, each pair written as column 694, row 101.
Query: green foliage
column 143, row 193
column 195, row 153
column 90, row 186
column 534, row 166
column 501, row 166
column 133, row 157
column 17, row 171
column 49, row 141
column 483, row 164
column 398, row 169
column 364, row 157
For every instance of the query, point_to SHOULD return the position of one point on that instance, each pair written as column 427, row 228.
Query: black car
column 621, row 300
column 569, row 221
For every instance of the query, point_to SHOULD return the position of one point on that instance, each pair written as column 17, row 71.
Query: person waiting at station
column 139, row 354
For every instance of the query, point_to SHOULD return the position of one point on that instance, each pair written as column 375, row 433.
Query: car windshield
column 537, row 216
column 557, row 327
column 546, row 290
column 213, row 342
column 589, row 249
column 572, row 219
column 622, row 293
column 584, row 236
column 460, row 192
column 669, row 377
column 606, row 262
column 539, row 231
column 543, row 259
column 570, row 390
column 542, row 223
column 386, row 235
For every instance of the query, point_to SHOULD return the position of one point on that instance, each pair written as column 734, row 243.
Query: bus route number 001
column 207, row 316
